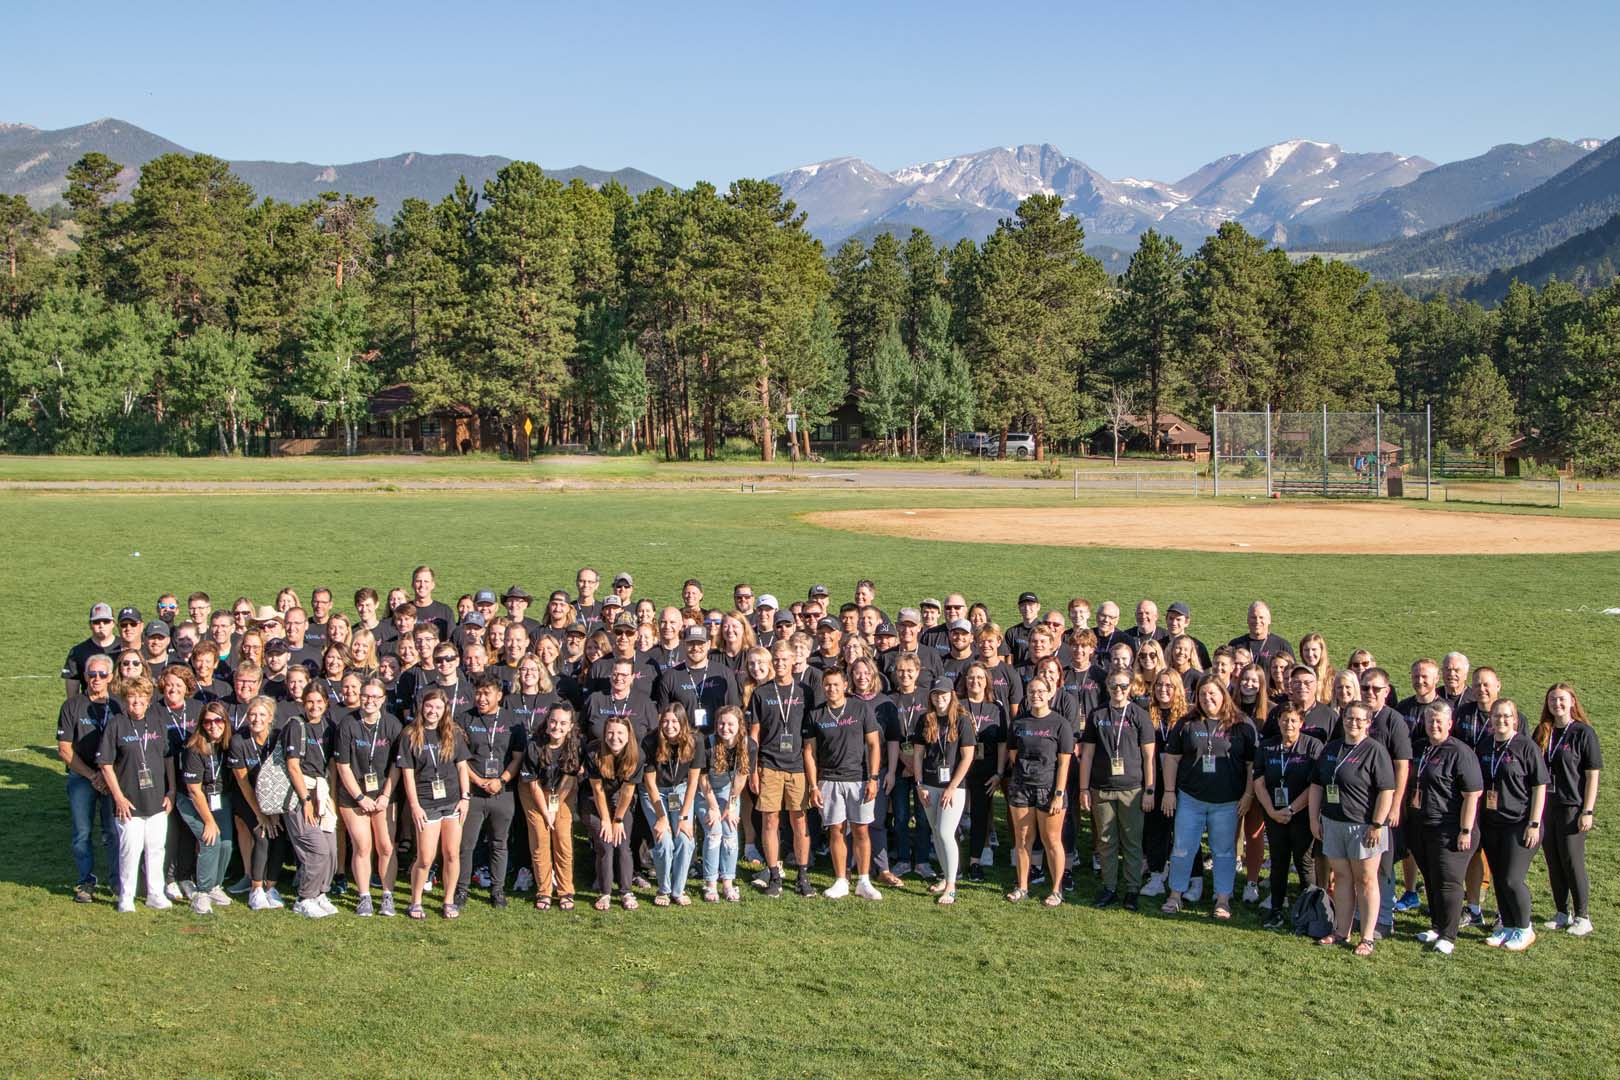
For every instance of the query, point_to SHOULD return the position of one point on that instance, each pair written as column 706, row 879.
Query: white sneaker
column 837, row 890
column 1428, row 937
column 1155, row 884
column 201, row 905
column 125, row 906
column 1580, row 927
column 326, row 905
column 309, row 909
column 172, row 891
column 867, row 891
column 926, row 871
column 987, row 857
column 901, row 869
column 218, row 897
column 243, row 884
column 158, row 902
column 1444, row 947
column 1520, row 940
column 525, row 880
column 1251, row 892
column 1498, row 939
column 1195, row 891
column 1559, row 921
column 188, row 889
column 257, row 901
column 274, row 897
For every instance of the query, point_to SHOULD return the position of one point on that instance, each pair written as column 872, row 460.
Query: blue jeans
column 672, row 856
column 1193, row 819
column 910, row 840
column 83, row 803
column 719, row 837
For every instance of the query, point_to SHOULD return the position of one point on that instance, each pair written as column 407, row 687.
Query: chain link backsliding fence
column 1322, row 453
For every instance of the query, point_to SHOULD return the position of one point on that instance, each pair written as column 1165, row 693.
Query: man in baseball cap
column 155, row 645
column 103, row 640
column 1017, row 635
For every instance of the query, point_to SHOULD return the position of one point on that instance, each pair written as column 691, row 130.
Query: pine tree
column 92, row 183
column 623, row 392
column 217, row 384
column 184, row 237
column 1476, row 414
column 333, row 382
column 1232, row 356
column 1147, row 324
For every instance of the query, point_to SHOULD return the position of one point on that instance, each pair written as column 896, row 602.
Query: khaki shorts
column 780, row 791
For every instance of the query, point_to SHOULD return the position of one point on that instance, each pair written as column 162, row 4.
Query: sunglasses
column 98, row 674
column 209, row 721
column 444, row 659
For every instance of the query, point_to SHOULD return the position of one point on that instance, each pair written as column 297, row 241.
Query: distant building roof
column 392, row 399
column 1173, row 430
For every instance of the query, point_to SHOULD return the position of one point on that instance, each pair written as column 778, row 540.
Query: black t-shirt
column 1571, row 752
column 430, row 764
column 940, row 754
column 247, row 754
column 137, row 750
column 1037, row 742
column 1215, row 764
column 840, row 739
column 1510, row 770
column 989, row 729
column 1288, row 768
column 543, row 762
column 1356, row 774
column 436, row 613
column 1444, row 773
column 664, row 657
column 674, row 771
column 643, row 675
column 779, row 712
column 1318, row 722
column 599, row 708
column 178, row 724
column 1388, row 729
column 204, row 768
column 73, row 666
column 1411, row 710
column 702, row 694
column 1471, row 725
column 1006, row 687
column 611, row 785
column 1262, row 651
column 906, row 719
column 932, row 665
column 531, row 710
column 310, row 743
column 492, row 739
column 81, row 721
column 367, row 749
column 1118, row 735
column 717, row 778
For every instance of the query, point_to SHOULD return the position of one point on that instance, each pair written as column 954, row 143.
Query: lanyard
column 176, row 726
column 1285, row 754
column 1552, row 750
column 1498, row 750
column 211, row 772
column 781, row 710
column 1119, row 732
column 433, row 755
column 1214, row 730
column 1351, row 756
column 370, row 733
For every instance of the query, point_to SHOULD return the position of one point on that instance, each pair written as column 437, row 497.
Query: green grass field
column 790, row 988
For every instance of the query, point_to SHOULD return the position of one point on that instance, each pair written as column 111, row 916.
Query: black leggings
column 1292, row 837
column 980, row 808
column 609, row 857
column 1565, row 845
column 1158, row 836
column 1444, row 870
column 1509, row 861
column 495, row 811
column 269, row 856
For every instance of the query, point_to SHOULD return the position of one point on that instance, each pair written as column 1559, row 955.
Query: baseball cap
column 818, row 592
column 695, row 634
column 783, row 618
column 474, row 618
column 129, row 614
column 557, row 594
column 828, row 623
column 1028, row 598
column 101, row 611
column 885, row 629
column 515, row 593
column 277, row 647
column 612, row 601
column 623, row 579
column 157, row 628
column 485, row 596
column 624, row 622
column 767, row 601
column 960, row 624
column 578, row 628
column 929, row 601
column 909, row 615
column 1179, row 608
column 943, row 684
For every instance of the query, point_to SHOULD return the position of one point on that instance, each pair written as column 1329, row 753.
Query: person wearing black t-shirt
column 1040, row 750
column 1352, row 797
column 699, row 685
column 947, row 744
column 495, row 743
column 776, row 716
column 365, row 777
column 1391, row 731
column 842, row 748
column 990, row 725
column 432, row 762
column 203, row 807
column 312, row 831
column 1443, row 808
column 427, row 609
column 1282, row 785
column 552, row 761
column 1116, row 786
column 1260, row 641
column 1574, row 763
column 103, row 641
column 1207, row 761
column 910, row 837
column 615, row 770
column 1515, row 799
column 79, row 725
column 672, row 759
column 260, row 839
column 138, row 770
column 730, row 759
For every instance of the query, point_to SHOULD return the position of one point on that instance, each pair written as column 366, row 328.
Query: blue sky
column 723, row 90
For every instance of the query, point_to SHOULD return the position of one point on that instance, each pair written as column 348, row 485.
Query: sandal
column 566, row 903
column 946, row 897
column 603, row 902
column 1364, row 947
column 1223, row 912
column 682, row 900
column 415, row 911
column 888, row 878
column 1171, row 906
column 711, row 895
column 629, row 901
column 733, row 894
column 1017, row 895
column 542, row 903
column 1053, row 899
column 1332, row 939
column 451, row 911
column 661, row 900
column 939, row 887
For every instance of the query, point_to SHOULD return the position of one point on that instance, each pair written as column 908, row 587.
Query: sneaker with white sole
column 274, row 897
column 217, row 896
column 1444, row 947
column 201, row 905
column 1428, row 937
column 1498, row 939
column 1155, row 884
column 309, row 909
column 926, row 871
column 1251, row 892
column 326, row 904
column 524, row 881
column 172, row 891
column 867, row 891
column 1559, row 921
column 159, row 902
column 1195, row 891
column 837, row 890
column 1520, row 940
column 1579, row 927
column 243, row 884
column 257, row 901
column 363, row 906
column 987, row 857
column 386, row 908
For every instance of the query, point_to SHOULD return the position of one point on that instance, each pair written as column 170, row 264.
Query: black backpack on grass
column 1313, row 913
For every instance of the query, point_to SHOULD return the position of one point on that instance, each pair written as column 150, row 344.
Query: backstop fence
column 1321, row 453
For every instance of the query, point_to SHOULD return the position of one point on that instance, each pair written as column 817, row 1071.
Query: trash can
column 1397, row 485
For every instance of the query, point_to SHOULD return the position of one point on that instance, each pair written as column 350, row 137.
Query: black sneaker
column 975, row 872
column 773, row 887
column 802, row 886
column 461, row 897
column 1130, row 902
column 497, row 898
column 1275, row 921
column 1106, row 898
column 1037, row 876
column 1068, row 881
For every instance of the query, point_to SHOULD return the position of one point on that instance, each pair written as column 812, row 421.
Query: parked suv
column 972, row 442
column 1020, row 445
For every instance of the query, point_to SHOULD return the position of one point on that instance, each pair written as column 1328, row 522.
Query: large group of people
column 679, row 740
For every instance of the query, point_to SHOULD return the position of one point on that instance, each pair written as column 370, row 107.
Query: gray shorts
column 841, row 803
column 1344, row 840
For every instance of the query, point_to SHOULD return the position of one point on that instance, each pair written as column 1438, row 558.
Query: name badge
column 700, row 718
column 1490, row 800
column 214, row 805
column 1116, row 767
column 554, row 802
column 1279, row 798
column 371, row 783
column 438, row 789
column 492, row 766
column 944, row 775
column 1330, row 794
column 784, row 743
column 1209, row 763
column 143, row 777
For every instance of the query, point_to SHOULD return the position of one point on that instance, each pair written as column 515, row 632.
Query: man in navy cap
column 102, row 641
column 1176, row 621
column 1017, row 635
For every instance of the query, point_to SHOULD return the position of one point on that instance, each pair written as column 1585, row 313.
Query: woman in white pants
column 941, row 760
column 135, row 762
